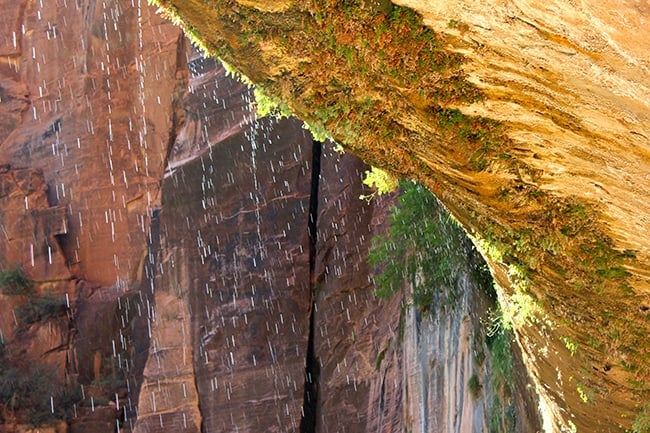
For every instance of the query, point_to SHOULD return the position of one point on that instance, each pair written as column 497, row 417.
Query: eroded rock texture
column 80, row 83
column 529, row 121
column 88, row 113
column 202, row 271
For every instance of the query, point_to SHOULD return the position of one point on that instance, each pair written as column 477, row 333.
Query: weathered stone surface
column 356, row 392
column 88, row 112
column 234, row 251
column 88, row 97
column 213, row 301
column 99, row 419
column 29, row 225
column 557, row 189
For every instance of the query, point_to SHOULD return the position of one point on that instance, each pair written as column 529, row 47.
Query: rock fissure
column 312, row 370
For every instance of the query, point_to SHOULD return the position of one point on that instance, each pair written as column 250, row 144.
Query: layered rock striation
column 192, row 268
column 529, row 122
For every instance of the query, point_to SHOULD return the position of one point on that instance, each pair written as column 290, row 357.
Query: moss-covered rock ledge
column 531, row 125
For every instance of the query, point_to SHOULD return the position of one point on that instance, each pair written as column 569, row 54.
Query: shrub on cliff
column 423, row 247
column 41, row 309
column 31, row 392
column 14, row 282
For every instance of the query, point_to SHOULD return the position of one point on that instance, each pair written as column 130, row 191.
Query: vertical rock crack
column 312, row 367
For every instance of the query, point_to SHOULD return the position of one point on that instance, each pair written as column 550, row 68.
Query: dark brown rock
column 358, row 391
column 234, row 253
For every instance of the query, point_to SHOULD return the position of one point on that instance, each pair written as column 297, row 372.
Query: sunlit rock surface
column 87, row 115
column 88, row 96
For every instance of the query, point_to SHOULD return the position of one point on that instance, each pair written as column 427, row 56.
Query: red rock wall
column 89, row 108
column 89, row 94
column 180, row 230
column 357, row 393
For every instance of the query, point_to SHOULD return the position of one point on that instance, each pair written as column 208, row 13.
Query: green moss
column 14, row 282
column 268, row 106
column 380, row 357
column 474, row 386
column 642, row 421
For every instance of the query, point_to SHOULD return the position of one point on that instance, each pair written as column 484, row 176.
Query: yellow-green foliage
column 268, row 106
column 380, row 179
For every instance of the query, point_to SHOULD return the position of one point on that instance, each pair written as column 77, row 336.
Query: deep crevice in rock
column 312, row 367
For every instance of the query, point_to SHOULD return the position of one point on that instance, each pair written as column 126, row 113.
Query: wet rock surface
column 89, row 91
column 206, row 276
column 537, row 142
column 87, row 110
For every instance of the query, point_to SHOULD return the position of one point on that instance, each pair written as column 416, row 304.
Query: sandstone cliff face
column 81, row 81
column 263, row 315
column 529, row 121
column 88, row 108
column 237, row 297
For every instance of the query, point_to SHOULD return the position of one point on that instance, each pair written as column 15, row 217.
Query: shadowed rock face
column 235, row 254
column 30, row 225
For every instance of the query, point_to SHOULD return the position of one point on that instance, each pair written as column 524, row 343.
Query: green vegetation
column 380, row 356
column 26, row 390
column 571, row 345
column 584, row 393
column 421, row 249
column 474, row 386
column 268, row 106
column 41, row 309
column 380, row 180
column 386, row 94
column 14, row 282
column 502, row 361
column 502, row 417
column 642, row 421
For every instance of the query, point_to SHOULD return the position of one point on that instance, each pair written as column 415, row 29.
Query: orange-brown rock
column 30, row 225
column 89, row 94
column 87, row 116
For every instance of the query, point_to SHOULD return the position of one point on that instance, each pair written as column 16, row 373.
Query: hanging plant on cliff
column 420, row 249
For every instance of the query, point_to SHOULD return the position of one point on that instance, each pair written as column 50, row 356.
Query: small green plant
column 571, row 346
column 502, row 361
column 380, row 180
column 14, row 282
column 41, row 309
column 268, row 106
column 380, row 357
column 28, row 391
column 642, row 421
column 585, row 393
column 474, row 386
